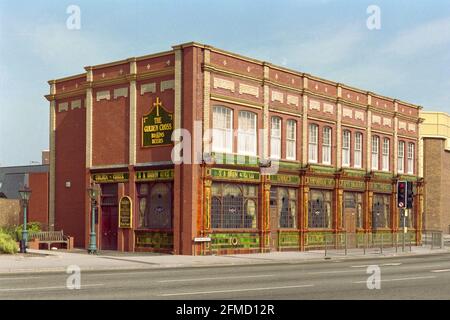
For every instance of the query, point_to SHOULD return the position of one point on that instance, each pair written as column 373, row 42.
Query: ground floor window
column 283, row 204
column 155, row 205
column 353, row 209
column 381, row 211
column 233, row 206
column 320, row 209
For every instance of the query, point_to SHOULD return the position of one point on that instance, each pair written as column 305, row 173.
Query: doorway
column 109, row 217
column 352, row 216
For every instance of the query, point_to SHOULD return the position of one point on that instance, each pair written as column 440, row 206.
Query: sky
column 407, row 57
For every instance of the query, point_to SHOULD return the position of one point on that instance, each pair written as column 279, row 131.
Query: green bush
column 7, row 244
column 32, row 227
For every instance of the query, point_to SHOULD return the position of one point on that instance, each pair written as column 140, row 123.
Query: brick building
column 435, row 151
column 339, row 152
column 37, row 178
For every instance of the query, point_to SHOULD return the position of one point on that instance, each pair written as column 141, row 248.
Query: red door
column 109, row 228
column 109, row 217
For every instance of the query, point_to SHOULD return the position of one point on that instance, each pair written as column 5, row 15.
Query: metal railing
column 433, row 238
column 343, row 243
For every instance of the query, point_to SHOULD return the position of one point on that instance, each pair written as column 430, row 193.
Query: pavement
column 58, row 261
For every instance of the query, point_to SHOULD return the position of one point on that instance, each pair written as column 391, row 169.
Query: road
column 408, row 277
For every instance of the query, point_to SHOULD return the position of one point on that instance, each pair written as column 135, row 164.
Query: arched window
column 375, row 152
column 275, row 138
column 233, row 206
column 357, row 159
column 346, row 148
column 155, row 205
column 326, row 145
column 319, row 209
column 410, row 158
column 247, row 139
column 385, row 159
column 313, row 143
column 401, row 157
column 291, row 138
column 222, row 129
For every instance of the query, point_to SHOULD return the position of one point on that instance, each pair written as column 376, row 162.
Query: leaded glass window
column 234, row 206
column 381, row 211
column 155, row 205
column 320, row 209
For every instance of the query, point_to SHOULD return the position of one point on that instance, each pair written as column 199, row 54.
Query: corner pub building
column 340, row 151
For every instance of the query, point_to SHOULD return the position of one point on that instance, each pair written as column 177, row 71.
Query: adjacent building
column 334, row 154
column 12, row 179
column 435, row 154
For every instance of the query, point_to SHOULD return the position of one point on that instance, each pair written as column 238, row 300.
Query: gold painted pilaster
column 265, row 138
column 369, row 135
column 395, row 144
column 305, row 126
column 207, row 100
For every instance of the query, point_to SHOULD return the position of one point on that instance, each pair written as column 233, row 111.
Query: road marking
column 442, row 270
column 217, row 278
column 331, row 272
column 400, row 279
column 234, row 290
column 49, row 288
column 385, row 264
column 19, row 278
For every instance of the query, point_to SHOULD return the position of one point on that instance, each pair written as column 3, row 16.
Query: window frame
column 226, row 132
column 244, row 134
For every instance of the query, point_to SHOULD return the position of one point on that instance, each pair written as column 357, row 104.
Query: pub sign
column 157, row 126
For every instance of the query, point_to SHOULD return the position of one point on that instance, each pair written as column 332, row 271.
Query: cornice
column 215, row 69
column 232, row 100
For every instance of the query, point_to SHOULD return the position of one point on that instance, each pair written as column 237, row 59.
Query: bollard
column 326, row 240
column 365, row 242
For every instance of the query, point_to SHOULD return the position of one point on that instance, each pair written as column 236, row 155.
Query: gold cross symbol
column 157, row 104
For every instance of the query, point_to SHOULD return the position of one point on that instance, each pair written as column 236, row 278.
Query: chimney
column 45, row 157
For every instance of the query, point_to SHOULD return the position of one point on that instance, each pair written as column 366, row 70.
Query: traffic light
column 409, row 195
column 401, row 194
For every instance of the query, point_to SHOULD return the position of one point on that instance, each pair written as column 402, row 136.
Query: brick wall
column 437, row 184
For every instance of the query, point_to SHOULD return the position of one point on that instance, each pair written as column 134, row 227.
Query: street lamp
column 93, row 192
column 25, row 194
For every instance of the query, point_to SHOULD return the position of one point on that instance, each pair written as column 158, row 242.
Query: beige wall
column 435, row 160
column 9, row 212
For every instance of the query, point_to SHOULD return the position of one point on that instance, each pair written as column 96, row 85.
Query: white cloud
column 426, row 36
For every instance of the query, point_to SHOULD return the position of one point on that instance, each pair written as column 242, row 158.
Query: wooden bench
column 51, row 237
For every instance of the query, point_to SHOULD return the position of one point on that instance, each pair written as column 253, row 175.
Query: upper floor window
column 275, row 138
column 410, row 158
column 346, row 149
column 375, row 152
column 357, row 160
column 222, row 134
column 313, row 143
column 386, row 144
column 401, row 157
column 247, row 133
column 326, row 145
column 291, row 137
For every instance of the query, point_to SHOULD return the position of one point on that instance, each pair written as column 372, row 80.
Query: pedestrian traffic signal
column 401, row 194
column 409, row 195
